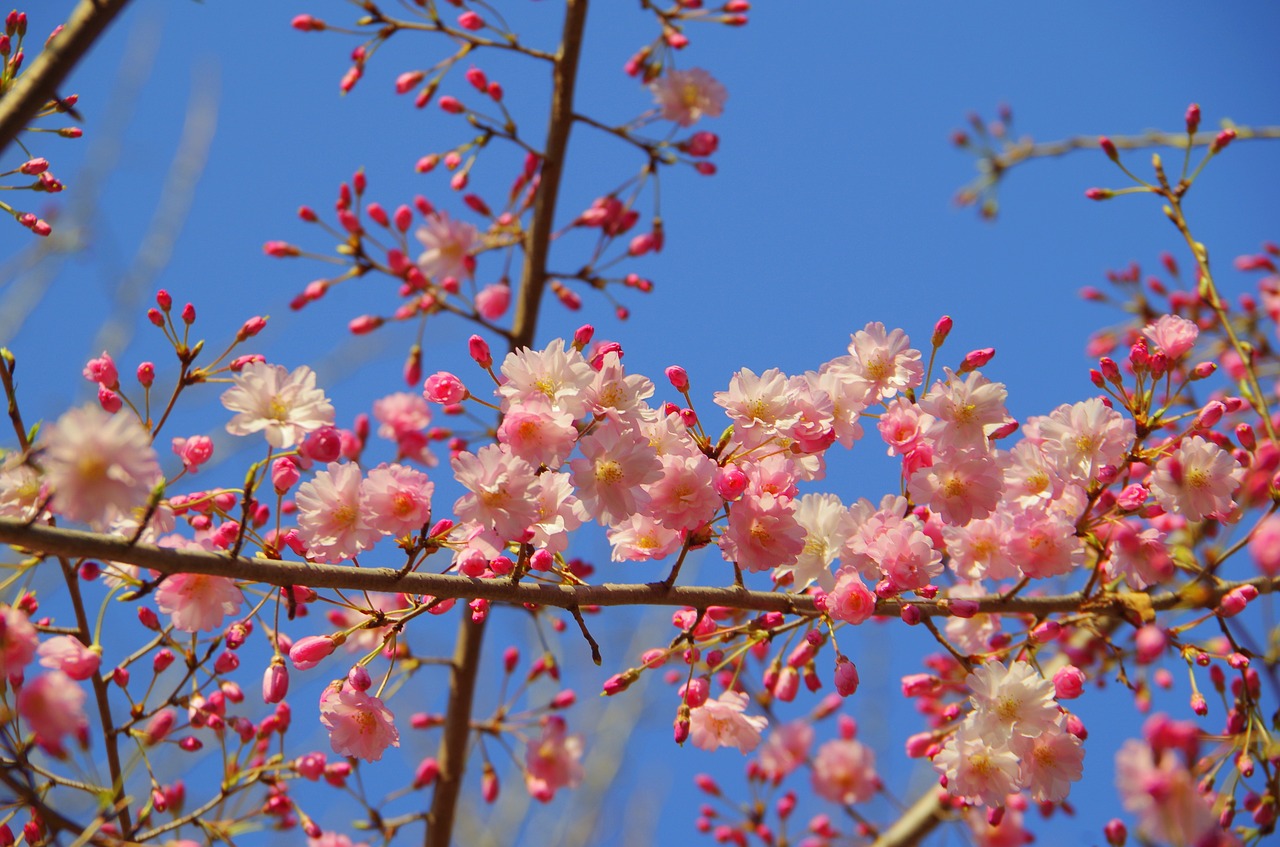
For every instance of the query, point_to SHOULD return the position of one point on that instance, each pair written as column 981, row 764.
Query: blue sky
column 832, row 208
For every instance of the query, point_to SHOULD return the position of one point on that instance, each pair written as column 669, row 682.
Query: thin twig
column 33, row 89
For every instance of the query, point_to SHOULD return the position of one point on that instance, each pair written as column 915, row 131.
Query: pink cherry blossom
column 450, row 246
column 537, row 433
column 964, row 410
column 21, row 488
column 959, row 486
column 553, row 761
column 844, row 771
column 492, row 301
column 1013, row 701
column 617, row 461
column 52, row 704
column 1174, row 335
column 613, row 391
column 685, row 497
column 1163, row 794
column 198, row 602
column 786, row 748
column 640, row 538
column 721, row 723
column 686, row 96
column 18, row 641
column 763, row 533
column 556, row 374
column 850, row 600
column 1197, row 480
column 283, row 406
column 882, row 362
column 67, row 654
column 500, row 485
column 99, row 466
column 978, row 767
column 1082, row 438
column 330, row 519
column 359, row 724
column 559, row 512
column 396, row 500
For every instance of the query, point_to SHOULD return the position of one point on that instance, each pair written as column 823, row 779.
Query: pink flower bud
column 1236, row 599
column 696, row 691
column 911, row 615
column 159, row 727
column 109, row 400
column 471, row 21
column 1193, row 118
column 307, row 652
column 1108, row 147
column 275, row 682
column 730, row 482
column 452, row 105
column 251, row 327
column 307, row 23
column 975, row 359
column 1068, row 682
column 284, row 474
column 479, row 350
column 1222, row 140
column 1149, row 642
column 408, row 80
column 582, row 336
column 1099, row 193
column 359, row 678
column 679, row 378
column 489, row 784
column 102, row 370
column 323, row 445
column 846, row 677
column 445, row 388
column 426, row 773
column 941, row 330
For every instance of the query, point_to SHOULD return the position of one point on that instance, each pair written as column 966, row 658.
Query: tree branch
column 39, row 84
column 86, row 545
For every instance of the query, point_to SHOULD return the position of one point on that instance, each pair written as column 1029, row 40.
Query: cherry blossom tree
column 194, row 658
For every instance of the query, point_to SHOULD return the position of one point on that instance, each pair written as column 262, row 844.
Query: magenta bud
column 679, row 378
column 941, row 330
column 1068, row 682
column 307, row 652
column 977, row 358
column 582, row 336
column 275, row 682
column 359, row 678
column 479, row 350
column 846, row 677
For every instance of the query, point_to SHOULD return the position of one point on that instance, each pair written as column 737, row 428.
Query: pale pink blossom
column 1138, row 553
column 685, row 497
column 844, row 772
column 786, row 748
column 617, row 462
column 198, row 602
column 553, row 761
column 284, row 406
column 826, row 531
column 686, row 96
column 1163, row 794
column 52, row 704
column 1082, row 438
column 1013, row 701
column 1197, row 480
column 559, row 512
column 613, row 391
column 850, row 600
column 760, row 406
column 330, row 519
column 1051, row 761
column 964, row 410
column 18, row 641
column 905, row 556
column 959, row 486
column 762, row 533
column 500, row 486
column 641, row 538
column 68, row 654
column 1264, row 546
column 722, row 723
column 21, row 488
column 1174, row 335
column 403, row 418
column 99, row 466
column 537, row 433
column 557, row 374
column 883, row 362
column 1044, row 543
column 359, row 724
column 900, row 426
column 396, row 500
column 1029, row 477
column 978, row 767
column 848, row 401
column 450, row 246
column 980, row 548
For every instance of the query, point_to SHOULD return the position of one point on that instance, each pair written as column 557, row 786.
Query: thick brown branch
column 457, row 732
column 68, row 542
column 915, row 823
column 39, row 84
